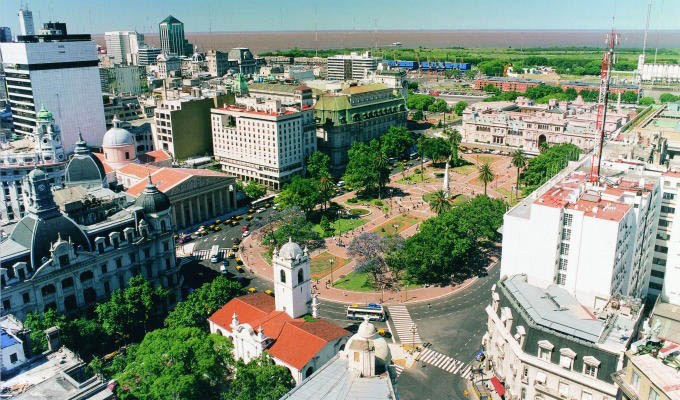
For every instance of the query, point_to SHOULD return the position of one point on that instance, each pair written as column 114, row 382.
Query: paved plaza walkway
column 407, row 201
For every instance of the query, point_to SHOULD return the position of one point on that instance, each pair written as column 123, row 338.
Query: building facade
column 172, row 37
column 541, row 343
column 53, row 263
column 147, row 55
column 353, row 66
column 218, row 63
column 61, row 74
column 358, row 113
column 182, row 125
column 526, row 125
column 247, row 65
column 166, row 65
column 595, row 241
column 258, row 323
column 43, row 148
column 263, row 141
column 123, row 46
column 288, row 95
column 26, row 26
column 665, row 271
column 5, row 34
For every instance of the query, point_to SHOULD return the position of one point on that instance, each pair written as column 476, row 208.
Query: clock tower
column 41, row 202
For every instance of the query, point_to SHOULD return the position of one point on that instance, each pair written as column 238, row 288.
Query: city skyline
column 96, row 17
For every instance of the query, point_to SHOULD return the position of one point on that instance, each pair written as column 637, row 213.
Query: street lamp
column 414, row 329
column 332, row 260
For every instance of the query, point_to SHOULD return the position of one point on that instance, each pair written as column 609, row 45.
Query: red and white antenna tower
column 608, row 59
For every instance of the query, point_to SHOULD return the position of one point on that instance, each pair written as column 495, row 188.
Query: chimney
column 53, row 339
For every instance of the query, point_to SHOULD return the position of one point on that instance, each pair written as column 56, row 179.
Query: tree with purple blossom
column 372, row 253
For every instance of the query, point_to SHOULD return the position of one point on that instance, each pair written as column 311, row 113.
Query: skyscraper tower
column 172, row 37
column 26, row 21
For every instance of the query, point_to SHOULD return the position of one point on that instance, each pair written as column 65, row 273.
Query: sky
column 98, row 16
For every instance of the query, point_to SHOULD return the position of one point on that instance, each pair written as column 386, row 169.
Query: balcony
column 619, row 378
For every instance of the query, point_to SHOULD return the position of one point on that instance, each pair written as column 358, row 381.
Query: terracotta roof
column 107, row 167
column 154, row 156
column 247, row 308
column 166, row 178
column 295, row 341
column 300, row 341
column 138, row 170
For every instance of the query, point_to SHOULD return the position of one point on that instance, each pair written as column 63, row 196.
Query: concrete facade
column 263, row 142
column 353, row 66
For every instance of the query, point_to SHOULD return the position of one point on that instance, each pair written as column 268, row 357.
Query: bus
column 372, row 310
column 215, row 254
column 262, row 201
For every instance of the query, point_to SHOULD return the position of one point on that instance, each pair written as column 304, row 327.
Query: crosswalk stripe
column 458, row 368
column 446, row 363
column 452, row 366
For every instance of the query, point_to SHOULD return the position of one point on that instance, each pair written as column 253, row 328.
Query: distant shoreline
column 262, row 41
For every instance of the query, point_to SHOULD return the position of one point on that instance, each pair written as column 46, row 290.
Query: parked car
column 223, row 269
column 246, row 233
column 260, row 210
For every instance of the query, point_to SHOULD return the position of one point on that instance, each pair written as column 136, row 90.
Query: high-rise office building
column 353, row 66
column 5, row 34
column 123, row 46
column 147, row 55
column 26, row 21
column 172, row 37
column 54, row 28
column 60, row 73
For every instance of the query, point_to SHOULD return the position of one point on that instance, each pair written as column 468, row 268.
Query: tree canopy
column 371, row 252
column 439, row 105
column 436, row 148
column 132, row 311
column 668, row 98
column 540, row 169
column 419, row 101
column 318, row 165
column 448, row 248
column 460, row 107
column 367, row 168
column 300, row 192
column 396, row 141
column 176, row 363
column 202, row 303
column 260, row 379
column 254, row 190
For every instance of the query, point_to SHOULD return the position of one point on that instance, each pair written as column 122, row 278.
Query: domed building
column 84, row 168
column 119, row 146
column 50, row 261
column 258, row 323
column 369, row 352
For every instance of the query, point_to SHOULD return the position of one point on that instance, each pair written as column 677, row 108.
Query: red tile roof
column 107, row 167
column 166, row 178
column 154, row 156
column 296, row 341
column 138, row 170
column 247, row 308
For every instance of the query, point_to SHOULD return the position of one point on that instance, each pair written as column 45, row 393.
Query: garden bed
column 359, row 212
column 395, row 225
column 321, row 264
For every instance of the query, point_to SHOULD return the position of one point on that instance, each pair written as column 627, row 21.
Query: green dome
column 44, row 115
column 152, row 200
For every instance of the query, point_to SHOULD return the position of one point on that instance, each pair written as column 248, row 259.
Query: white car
column 261, row 210
column 276, row 207
column 246, row 233
column 223, row 269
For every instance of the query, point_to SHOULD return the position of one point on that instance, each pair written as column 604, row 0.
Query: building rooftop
column 365, row 88
column 555, row 309
column 336, row 381
column 167, row 178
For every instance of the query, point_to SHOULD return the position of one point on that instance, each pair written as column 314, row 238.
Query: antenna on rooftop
column 656, row 49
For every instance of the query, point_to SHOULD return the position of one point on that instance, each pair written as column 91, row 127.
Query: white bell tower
column 292, row 287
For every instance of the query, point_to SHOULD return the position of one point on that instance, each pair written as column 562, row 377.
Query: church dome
column 44, row 115
column 367, row 332
column 37, row 174
column 84, row 168
column 152, row 200
column 290, row 250
column 117, row 136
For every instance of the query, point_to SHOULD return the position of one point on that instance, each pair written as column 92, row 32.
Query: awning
column 498, row 386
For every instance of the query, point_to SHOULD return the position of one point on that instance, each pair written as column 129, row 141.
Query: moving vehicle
column 269, row 292
column 227, row 221
column 372, row 310
column 251, row 210
column 238, row 217
column 185, row 238
column 223, row 269
column 237, row 241
column 260, row 210
column 215, row 254
column 234, row 223
column 217, row 228
column 230, row 254
column 248, row 218
column 246, row 233
column 267, row 205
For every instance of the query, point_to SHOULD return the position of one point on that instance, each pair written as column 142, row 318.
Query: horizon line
column 414, row 30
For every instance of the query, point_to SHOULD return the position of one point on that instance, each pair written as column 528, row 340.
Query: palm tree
column 454, row 140
column 519, row 161
column 439, row 203
column 325, row 188
column 486, row 175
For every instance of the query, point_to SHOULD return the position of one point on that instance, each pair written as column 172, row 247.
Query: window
column 669, row 210
column 563, row 389
column 13, row 358
column 562, row 264
column 664, row 223
column 567, row 219
column 567, row 356
column 659, row 261
column 566, row 234
column 6, row 305
column 658, row 274
column 544, row 354
column 586, row 396
column 653, row 395
column 283, row 276
column 564, row 249
column 661, row 249
column 590, row 370
column 27, row 298
column 104, row 268
column 119, row 263
column 656, row 286
column 67, row 283
column 561, row 279
column 300, row 276
column 668, row 196
column 636, row 381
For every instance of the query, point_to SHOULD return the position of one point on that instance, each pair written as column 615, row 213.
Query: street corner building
column 70, row 255
column 259, row 323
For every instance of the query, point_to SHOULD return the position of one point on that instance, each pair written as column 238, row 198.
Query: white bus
column 215, row 254
column 373, row 311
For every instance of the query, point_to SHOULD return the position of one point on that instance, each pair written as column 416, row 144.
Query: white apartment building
column 353, row 66
column 62, row 76
column 262, row 141
column 665, row 273
column 595, row 241
column 122, row 46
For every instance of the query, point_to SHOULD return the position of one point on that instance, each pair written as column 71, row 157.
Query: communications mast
column 603, row 99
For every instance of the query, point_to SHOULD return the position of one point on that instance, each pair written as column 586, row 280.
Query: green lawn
column 395, row 225
column 340, row 226
column 465, row 169
column 457, row 198
column 321, row 264
column 358, row 212
column 416, row 178
column 483, row 158
column 362, row 282
column 267, row 255
column 512, row 198
column 355, row 281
